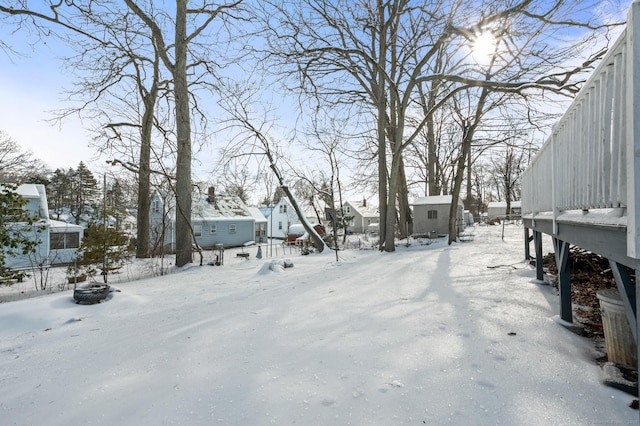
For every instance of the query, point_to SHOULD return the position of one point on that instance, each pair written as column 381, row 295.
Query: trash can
column 621, row 347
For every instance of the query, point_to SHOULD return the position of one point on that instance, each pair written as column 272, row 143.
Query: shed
column 432, row 214
column 498, row 209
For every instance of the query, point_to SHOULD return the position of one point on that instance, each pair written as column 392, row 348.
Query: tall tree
column 84, row 192
column 175, row 57
column 379, row 53
column 172, row 32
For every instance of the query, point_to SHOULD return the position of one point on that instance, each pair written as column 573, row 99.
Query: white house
column 58, row 241
column 279, row 218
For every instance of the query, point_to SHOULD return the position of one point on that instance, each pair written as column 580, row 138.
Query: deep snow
column 428, row 334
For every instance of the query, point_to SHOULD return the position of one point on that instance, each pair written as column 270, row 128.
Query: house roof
column 266, row 211
column 434, row 200
column 503, row 204
column 28, row 191
column 363, row 210
column 222, row 207
column 256, row 213
column 59, row 226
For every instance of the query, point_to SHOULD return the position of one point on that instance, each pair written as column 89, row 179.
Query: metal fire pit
column 91, row 293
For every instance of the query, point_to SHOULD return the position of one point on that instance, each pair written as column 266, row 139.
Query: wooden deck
column 583, row 186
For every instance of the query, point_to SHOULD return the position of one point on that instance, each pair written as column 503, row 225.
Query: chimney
column 212, row 194
column 364, row 202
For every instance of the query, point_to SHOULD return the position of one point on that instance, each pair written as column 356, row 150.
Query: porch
column 583, row 187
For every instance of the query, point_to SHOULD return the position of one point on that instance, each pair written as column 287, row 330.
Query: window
column 347, row 209
column 155, row 206
column 64, row 240
column 197, row 230
column 213, row 229
column 72, row 240
column 283, row 208
column 280, row 225
column 56, row 241
column 232, row 228
column 432, row 214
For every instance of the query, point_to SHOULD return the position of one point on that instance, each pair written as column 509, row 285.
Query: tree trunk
column 381, row 131
column 405, row 218
column 389, row 240
column 183, row 129
column 143, row 249
column 457, row 185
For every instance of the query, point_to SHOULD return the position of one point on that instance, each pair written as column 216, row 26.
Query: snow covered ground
column 428, row 334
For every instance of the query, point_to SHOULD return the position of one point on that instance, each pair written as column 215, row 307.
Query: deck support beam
column 537, row 245
column 564, row 278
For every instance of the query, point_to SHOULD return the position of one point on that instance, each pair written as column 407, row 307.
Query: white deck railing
column 592, row 159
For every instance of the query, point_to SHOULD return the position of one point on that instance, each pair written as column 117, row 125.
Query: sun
column 483, row 47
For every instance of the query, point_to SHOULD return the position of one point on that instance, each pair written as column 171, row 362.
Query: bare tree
column 254, row 140
column 16, row 164
column 382, row 53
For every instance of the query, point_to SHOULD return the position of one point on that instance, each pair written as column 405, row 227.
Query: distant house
column 432, row 214
column 498, row 210
column 58, row 241
column 279, row 218
column 215, row 218
column 363, row 215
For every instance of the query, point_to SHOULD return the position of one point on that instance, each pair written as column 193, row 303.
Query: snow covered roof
column 28, row 191
column 363, row 209
column 221, row 206
column 59, row 226
column 503, row 204
column 256, row 213
column 435, row 199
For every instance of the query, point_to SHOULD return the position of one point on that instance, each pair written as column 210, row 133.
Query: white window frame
column 232, row 228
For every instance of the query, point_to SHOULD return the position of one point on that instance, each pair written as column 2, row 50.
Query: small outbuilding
column 498, row 210
column 431, row 214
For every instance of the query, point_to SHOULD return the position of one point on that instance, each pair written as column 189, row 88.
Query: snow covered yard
column 425, row 335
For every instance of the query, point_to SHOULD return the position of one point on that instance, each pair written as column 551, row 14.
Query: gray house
column 215, row 218
column 432, row 214
column 363, row 215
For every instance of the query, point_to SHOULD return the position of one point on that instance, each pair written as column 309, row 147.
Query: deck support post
column 537, row 245
column 627, row 294
column 527, row 241
column 564, row 278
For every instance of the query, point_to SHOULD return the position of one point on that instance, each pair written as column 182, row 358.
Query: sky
column 429, row 334
column 31, row 87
